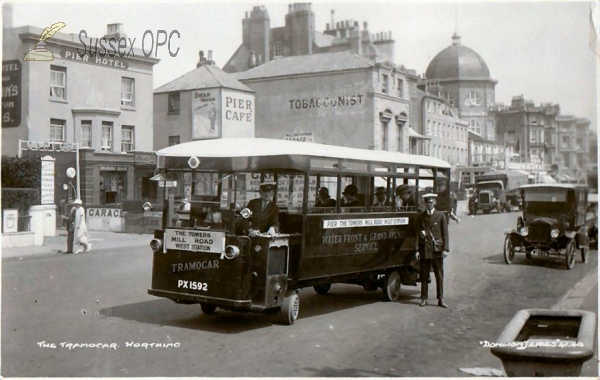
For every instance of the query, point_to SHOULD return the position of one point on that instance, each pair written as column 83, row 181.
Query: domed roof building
column 460, row 75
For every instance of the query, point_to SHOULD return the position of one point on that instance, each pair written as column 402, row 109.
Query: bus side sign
column 368, row 222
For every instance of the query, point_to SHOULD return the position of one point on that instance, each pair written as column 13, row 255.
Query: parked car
column 553, row 223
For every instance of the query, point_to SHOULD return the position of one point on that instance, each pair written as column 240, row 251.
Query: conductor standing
column 433, row 244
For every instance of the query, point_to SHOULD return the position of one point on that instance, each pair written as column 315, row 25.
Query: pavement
column 100, row 240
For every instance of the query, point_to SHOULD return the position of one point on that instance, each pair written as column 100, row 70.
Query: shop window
column 107, row 136
column 86, row 134
column 127, row 92
column 174, row 140
column 127, row 138
column 58, row 82
column 149, row 188
column 174, row 101
column 113, row 189
column 57, row 130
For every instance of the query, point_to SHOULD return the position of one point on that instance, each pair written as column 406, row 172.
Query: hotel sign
column 11, row 93
column 116, row 61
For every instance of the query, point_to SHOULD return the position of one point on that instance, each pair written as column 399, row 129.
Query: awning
column 417, row 135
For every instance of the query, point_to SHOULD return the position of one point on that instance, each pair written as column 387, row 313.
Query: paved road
column 102, row 298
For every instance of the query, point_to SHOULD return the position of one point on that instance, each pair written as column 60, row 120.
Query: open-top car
column 553, row 223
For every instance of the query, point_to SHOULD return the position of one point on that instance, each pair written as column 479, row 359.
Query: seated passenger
column 381, row 196
column 324, row 199
column 350, row 197
column 265, row 213
column 404, row 198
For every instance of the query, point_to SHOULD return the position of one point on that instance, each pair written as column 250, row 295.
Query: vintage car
column 553, row 223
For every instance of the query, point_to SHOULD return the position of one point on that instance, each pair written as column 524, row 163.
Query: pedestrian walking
column 433, row 245
column 453, row 207
column 80, row 228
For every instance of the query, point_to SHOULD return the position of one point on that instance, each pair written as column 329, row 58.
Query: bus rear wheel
column 322, row 289
column 391, row 286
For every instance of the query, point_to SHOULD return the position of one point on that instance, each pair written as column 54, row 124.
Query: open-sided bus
column 203, row 255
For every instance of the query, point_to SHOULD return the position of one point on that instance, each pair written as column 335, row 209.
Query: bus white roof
column 257, row 147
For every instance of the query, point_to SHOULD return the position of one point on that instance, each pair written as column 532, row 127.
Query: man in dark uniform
column 433, row 244
column 265, row 213
column 69, row 217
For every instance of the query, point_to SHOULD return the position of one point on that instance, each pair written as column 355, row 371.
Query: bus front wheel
column 208, row 308
column 391, row 286
column 290, row 309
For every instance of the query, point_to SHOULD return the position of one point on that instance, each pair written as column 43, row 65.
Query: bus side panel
column 203, row 274
column 369, row 245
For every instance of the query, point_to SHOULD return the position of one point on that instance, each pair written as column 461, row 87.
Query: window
column 535, row 152
column 58, row 82
column 57, row 130
column 174, row 140
column 127, row 138
column 107, row 136
column 475, row 127
column 429, row 128
column 174, row 98
column 384, row 83
column 86, row 133
column 278, row 49
column 400, row 145
column 400, row 88
column 127, row 92
column 533, row 136
column 472, row 99
column 384, row 138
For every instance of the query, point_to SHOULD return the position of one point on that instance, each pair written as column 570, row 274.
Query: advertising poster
column 206, row 120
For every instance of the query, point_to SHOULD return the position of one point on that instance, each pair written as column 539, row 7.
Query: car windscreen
column 546, row 202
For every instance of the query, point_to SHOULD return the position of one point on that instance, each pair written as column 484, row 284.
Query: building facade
column 205, row 103
column 337, row 98
column 261, row 43
column 463, row 78
column 78, row 95
column 574, row 158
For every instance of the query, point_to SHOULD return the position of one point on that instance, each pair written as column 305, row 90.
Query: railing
column 24, row 223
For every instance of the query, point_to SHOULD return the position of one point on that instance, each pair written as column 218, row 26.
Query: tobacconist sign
column 11, row 93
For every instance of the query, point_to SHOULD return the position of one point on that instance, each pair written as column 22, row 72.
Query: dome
column 457, row 61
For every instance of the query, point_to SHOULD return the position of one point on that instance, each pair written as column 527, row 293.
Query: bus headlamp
column 246, row 213
column 231, row 252
column 554, row 233
column 156, row 244
column 524, row 231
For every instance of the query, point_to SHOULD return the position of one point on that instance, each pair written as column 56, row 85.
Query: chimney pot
column 365, row 25
column 210, row 55
column 327, row 26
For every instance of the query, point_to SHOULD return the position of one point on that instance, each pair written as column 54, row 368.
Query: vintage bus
column 202, row 255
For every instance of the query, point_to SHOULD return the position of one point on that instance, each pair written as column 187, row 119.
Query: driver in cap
column 265, row 213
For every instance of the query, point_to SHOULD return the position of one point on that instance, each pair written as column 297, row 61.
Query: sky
column 536, row 49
